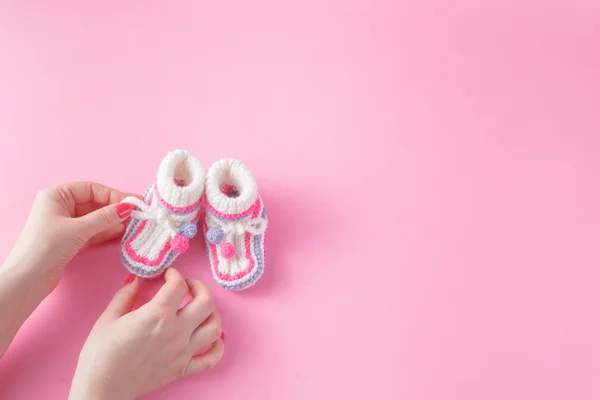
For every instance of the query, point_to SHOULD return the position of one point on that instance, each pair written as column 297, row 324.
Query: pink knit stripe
column 174, row 209
column 251, row 264
column 141, row 259
column 253, row 208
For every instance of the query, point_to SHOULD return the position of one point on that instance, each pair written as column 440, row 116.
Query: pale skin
column 129, row 353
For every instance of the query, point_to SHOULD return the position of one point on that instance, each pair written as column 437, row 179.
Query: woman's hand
column 63, row 220
column 129, row 354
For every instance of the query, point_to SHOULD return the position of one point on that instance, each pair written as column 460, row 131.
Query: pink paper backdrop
column 431, row 171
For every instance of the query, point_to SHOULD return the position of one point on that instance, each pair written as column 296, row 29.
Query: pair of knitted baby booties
column 234, row 220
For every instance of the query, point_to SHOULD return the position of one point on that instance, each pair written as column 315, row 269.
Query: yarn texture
column 214, row 235
column 188, row 229
column 180, row 243
column 227, row 250
column 163, row 224
column 235, row 225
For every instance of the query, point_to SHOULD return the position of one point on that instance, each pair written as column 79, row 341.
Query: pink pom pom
column 180, row 243
column 227, row 250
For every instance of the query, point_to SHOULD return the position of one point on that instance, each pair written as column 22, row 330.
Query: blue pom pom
column 214, row 235
column 188, row 229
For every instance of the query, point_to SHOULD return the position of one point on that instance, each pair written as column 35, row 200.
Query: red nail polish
column 130, row 279
column 124, row 209
column 223, row 336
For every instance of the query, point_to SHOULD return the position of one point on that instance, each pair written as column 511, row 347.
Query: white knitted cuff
column 180, row 179
column 230, row 172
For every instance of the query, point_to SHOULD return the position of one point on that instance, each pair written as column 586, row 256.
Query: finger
column 104, row 218
column 206, row 361
column 91, row 192
column 197, row 310
column 85, row 208
column 207, row 333
column 82, row 209
column 123, row 300
column 171, row 294
column 114, row 232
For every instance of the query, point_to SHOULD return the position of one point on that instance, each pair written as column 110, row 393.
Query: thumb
column 123, row 300
column 103, row 218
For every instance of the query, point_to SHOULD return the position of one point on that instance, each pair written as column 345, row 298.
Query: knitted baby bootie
column 235, row 225
column 165, row 221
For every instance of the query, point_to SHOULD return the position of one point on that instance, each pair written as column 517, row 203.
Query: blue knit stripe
column 147, row 192
column 147, row 274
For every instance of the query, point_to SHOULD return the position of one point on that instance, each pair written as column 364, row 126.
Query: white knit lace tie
column 255, row 226
column 222, row 233
column 154, row 212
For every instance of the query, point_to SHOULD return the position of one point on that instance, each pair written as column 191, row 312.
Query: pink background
column 430, row 172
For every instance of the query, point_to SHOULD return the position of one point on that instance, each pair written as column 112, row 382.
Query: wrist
column 20, row 293
column 82, row 389
column 90, row 394
column 30, row 278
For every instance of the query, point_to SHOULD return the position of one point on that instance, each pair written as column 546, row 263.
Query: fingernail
column 223, row 337
column 124, row 209
column 130, row 279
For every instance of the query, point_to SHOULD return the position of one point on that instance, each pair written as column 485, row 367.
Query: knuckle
column 62, row 192
column 105, row 216
column 41, row 194
column 46, row 195
column 206, row 301
column 216, row 332
column 181, row 285
column 216, row 320
column 212, row 328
